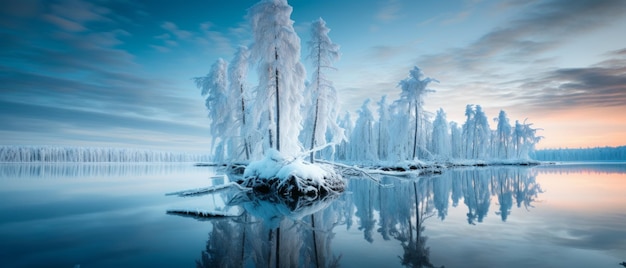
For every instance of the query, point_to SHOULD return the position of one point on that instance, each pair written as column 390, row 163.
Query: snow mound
column 291, row 178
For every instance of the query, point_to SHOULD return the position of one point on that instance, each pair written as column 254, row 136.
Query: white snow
column 276, row 165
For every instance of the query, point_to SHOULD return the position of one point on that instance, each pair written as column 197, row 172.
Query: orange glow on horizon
column 602, row 191
column 582, row 128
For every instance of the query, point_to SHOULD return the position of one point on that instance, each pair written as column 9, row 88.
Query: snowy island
column 284, row 132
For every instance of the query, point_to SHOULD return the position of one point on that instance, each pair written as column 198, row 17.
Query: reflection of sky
column 577, row 222
column 112, row 214
column 118, row 73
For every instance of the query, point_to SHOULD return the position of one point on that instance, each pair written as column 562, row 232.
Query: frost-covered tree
column 503, row 136
column 414, row 89
column 400, row 144
column 440, row 143
column 276, row 50
column 323, row 116
column 214, row 86
column 524, row 139
column 237, row 74
column 343, row 149
column 456, row 140
column 362, row 143
column 482, row 133
column 476, row 133
column 468, row 132
column 382, row 128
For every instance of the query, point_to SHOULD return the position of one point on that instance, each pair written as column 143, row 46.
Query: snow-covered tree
column 482, row 133
column 414, row 89
column 525, row 137
column 382, row 128
column 276, row 50
column 476, row 133
column 362, row 143
column 468, row 132
column 323, row 52
column 503, row 136
column 456, row 140
column 237, row 74
column 440, row 144
column 214, row 86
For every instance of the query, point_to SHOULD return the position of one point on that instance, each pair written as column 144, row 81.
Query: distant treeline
column 91, row 154
column 582, row 154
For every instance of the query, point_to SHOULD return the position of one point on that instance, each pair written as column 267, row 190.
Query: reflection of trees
column 416, row 253
column 475, row 194
column 271, row 234
column 364, row 209
column 404, row 208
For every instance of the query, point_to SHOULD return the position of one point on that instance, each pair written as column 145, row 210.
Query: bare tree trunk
column 243, row 121
column 243, row 241
column 317, row 259
column 278, row 246
column 317, row 103
column 277, row 103
column 416, row 130
column 314, row 130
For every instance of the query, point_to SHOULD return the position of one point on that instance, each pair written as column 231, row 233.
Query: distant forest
column 582, row 154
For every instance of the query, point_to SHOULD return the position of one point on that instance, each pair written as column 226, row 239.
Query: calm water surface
column 114, row 215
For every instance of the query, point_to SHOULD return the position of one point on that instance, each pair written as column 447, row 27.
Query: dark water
column 101, row 215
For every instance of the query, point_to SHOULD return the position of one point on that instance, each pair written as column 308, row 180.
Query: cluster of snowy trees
column 91, row 154
column 281, row 112
column 404, row 131
column 582, row 154
column 295, row 117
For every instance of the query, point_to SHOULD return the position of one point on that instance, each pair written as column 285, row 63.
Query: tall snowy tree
column 525, row 137
column 214, row 86
column 440, row 143
column 503, row 136
column 362, row 143
column 323, row 52
column 456, row 140
column 414, row 89
column 468, row 132
column 382, row 127
column 276, row 49
column 482, row 133
column 237, row 74
column 343, row 150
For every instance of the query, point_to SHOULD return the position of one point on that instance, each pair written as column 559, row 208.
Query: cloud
column 44, row 125
column 601, row 85
column 389, row 11
column 89, row 73
column 540, row 27
column 173, row 28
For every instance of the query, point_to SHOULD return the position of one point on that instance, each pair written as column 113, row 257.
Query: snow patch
column 291, row 177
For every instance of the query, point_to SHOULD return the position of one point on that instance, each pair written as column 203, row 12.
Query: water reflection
column 49, row 170
column 274, row 234
column 584, row 167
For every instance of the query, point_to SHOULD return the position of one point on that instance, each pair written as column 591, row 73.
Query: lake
column 114, row 215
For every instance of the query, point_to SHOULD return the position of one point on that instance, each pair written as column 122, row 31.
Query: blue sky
column 118, row 73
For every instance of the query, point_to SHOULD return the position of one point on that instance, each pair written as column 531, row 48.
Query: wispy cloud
column 173, row 28
column 600, row 85
column 540, row 28
column 389, row 11
column 80, row 62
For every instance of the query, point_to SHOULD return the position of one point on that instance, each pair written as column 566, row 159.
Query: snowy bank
column 291, row 177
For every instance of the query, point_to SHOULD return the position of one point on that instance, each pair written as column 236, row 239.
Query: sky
column 118, row 73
